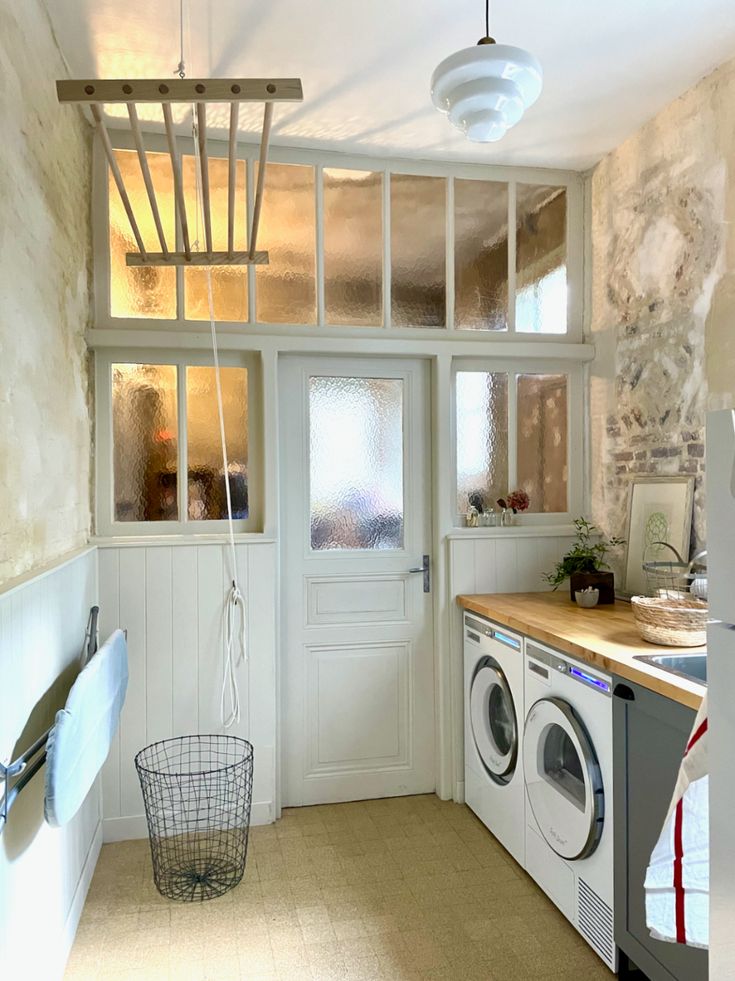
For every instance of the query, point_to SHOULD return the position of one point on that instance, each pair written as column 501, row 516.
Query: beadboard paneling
column 44, row 872
column 170, row 598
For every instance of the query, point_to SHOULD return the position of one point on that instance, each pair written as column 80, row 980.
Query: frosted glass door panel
column 418, row 250
column 480, row 255
column 482, row 439
column 136, row 291
column 541, row 259
column 353, row 247
column 145, row 442
column 542, row 441
column 356, row 463
column 206, row 487
column 229, row 283
column 286, row 287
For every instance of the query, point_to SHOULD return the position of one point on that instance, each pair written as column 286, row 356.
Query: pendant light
column 486, row 89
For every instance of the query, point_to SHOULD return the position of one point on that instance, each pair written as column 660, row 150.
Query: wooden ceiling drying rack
column 191, row 92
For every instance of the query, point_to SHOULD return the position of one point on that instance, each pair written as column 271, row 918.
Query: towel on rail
column 80, row 739
column 677, row 880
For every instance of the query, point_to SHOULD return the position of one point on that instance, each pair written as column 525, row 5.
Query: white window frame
column 105, row 523
column 575, row 430
column 572, row 182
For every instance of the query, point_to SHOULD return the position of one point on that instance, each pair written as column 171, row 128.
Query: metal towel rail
column 27, row 765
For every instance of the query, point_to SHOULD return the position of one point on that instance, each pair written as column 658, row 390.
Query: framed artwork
column 659, row 510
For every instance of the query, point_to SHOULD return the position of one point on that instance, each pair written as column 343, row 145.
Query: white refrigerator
column 720, row 476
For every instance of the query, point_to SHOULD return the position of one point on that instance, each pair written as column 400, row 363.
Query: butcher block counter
column 604, row 636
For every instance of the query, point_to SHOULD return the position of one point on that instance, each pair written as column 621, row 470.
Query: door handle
column 424, row 568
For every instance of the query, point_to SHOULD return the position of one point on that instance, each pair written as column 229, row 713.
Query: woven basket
column 671, row 622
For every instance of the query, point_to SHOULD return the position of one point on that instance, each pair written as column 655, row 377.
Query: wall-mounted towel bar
column 27, row 765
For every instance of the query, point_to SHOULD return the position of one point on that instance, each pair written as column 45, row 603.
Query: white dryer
column 568, row 763
column 493, row 688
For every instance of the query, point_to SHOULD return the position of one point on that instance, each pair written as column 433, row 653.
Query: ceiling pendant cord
column 234, row 620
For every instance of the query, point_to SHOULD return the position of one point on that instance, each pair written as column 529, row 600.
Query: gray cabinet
column 649, row 739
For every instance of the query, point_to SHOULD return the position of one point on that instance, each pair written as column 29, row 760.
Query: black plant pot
column 604, row 581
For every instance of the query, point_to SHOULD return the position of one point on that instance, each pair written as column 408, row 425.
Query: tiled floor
column 408, row 888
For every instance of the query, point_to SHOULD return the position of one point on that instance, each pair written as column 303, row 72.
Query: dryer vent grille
column 596, row 922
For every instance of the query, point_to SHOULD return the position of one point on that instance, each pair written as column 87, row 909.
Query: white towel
column 677, row 880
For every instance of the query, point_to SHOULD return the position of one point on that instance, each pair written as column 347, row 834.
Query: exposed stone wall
column 45, row 176
column 663, row 305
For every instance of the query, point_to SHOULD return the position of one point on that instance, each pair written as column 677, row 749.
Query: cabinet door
column 650, row 735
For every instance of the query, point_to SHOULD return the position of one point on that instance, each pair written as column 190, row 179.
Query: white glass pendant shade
column 486, row 89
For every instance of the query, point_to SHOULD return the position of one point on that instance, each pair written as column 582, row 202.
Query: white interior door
column 358, row 665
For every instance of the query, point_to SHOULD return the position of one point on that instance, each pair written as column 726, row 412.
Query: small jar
column 490, row 519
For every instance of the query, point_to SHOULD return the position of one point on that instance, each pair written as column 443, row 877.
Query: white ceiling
column 366, row 65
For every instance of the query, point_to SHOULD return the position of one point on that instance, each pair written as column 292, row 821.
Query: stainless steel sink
column 693, row 666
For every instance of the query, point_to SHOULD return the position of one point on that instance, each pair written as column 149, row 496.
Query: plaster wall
column 663, row 297
column 45, row 249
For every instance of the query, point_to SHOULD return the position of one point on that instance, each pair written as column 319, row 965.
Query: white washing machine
column 568, row 763
column 493, row 673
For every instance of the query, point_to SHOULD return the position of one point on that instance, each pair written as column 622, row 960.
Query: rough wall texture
column 45, row 174
column 663, row 301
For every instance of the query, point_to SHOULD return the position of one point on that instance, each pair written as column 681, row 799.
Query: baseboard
column 459, row 792
column 130, row 828
column 80, row 894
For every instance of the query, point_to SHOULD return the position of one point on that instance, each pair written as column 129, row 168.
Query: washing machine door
column 493, row 720
column 563, row 779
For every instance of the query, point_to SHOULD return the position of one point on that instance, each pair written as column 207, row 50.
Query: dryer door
column 563, row 779
column 493, row 720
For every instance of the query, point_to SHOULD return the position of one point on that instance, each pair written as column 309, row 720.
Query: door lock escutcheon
column 424, row 568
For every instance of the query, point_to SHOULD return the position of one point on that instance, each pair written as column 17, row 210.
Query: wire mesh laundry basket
column 197, row 792
column 668, row 576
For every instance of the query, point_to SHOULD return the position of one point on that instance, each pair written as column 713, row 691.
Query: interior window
column 493, row 460
column 165, row 422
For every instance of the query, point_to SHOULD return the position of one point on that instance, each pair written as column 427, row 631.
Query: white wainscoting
column 501, row 561
column 44, row 872
column 170, row 599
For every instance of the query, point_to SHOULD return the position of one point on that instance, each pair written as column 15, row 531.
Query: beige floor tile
column 405, row 889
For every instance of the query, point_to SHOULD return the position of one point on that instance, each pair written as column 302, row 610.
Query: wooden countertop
column 605, row 636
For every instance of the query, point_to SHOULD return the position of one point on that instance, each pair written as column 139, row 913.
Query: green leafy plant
column 585, row 555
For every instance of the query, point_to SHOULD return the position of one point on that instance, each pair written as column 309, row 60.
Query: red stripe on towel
column 696, row 736
column 681, row 935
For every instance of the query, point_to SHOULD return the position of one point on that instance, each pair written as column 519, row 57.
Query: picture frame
column 659, row 509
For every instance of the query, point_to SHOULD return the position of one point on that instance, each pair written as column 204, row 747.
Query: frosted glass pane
column 356, row 462
column 480, row 255
column 206, row 486
column 418, row 250
column 542, row 441
column 229, row 283
column 353, row 247
column 286, row 288
column 482, row 438
column 541, row 259
column 145, row 442
column 137, row 291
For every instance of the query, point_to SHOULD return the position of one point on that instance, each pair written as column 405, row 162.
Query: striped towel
column 677, row 880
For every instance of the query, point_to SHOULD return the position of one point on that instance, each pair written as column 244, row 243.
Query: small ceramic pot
column 587, row 598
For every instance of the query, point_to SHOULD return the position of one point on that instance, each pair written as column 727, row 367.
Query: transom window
column 354, row 247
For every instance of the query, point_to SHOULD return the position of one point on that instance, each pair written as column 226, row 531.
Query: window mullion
column 319, row 209
column 512, row 430
column 449, row 247
column 512, row 245
column 182, row 481
column 387, row 275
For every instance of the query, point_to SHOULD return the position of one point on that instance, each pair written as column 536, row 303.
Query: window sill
column 515, row 531
column 151, row 541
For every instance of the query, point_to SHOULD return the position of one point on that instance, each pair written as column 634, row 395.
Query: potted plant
column 585, row 564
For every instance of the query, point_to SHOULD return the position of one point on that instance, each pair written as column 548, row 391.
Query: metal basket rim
column 247, row 758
